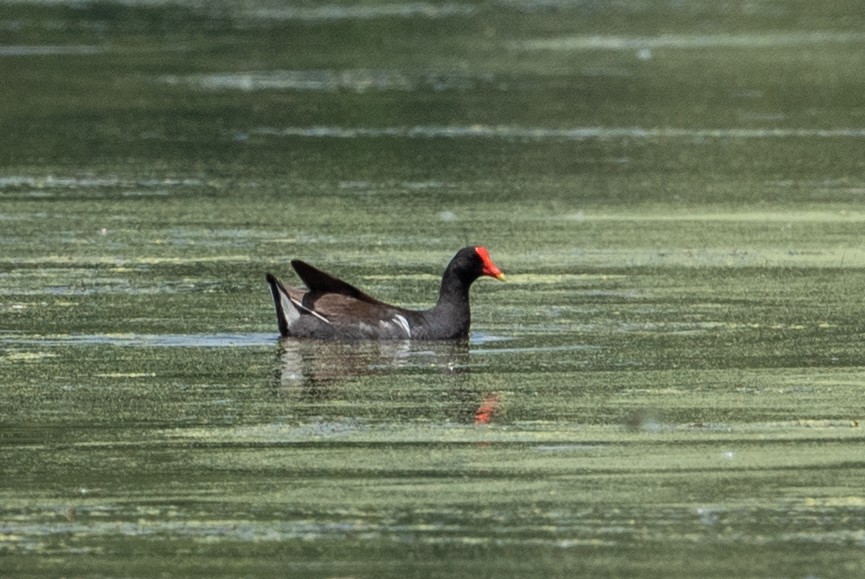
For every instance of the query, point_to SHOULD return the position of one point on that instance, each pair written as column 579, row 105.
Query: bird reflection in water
column 314, row 372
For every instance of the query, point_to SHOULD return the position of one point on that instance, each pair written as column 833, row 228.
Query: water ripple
column 326, row 12
column 693, row 41
column 104, row 182
column 354, row 80
column 146, row 340
column 546, row 133
column 49, row 50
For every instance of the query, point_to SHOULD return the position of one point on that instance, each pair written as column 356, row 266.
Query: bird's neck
column 450, row 317
column 453, row 293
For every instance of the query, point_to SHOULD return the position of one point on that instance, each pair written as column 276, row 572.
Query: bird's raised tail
column 287, row 312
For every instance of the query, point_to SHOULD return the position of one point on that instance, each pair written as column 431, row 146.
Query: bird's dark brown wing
column 321, row 283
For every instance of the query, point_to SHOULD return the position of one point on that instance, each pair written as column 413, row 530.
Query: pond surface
column 669, row 384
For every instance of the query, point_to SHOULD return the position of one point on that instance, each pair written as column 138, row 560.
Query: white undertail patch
column 292, row 309
column 289, row 309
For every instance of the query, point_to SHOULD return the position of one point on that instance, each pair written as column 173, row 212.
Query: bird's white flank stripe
column 404, row 323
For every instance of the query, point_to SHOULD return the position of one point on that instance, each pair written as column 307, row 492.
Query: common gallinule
column 332, row 308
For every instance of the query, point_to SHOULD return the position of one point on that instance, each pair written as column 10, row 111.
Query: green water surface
column 668, row 385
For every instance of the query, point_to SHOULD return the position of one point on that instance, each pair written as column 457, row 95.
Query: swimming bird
column 331, row 308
